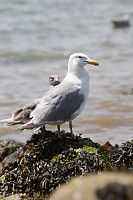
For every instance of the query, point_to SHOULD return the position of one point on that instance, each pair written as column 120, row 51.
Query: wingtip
column 27, row 126
column 6, row 121
column 10, row 122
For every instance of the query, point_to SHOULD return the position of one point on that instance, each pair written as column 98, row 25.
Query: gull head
column 54, row 80
column 80, row 59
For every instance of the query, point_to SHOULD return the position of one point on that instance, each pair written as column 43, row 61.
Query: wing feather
column 57, row 105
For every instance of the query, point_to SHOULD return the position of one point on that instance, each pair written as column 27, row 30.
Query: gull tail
column 9, row 122
column 27, row 126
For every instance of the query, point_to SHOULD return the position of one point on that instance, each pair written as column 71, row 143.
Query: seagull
column 65, row 101
column 54, row 80
column 22, row 115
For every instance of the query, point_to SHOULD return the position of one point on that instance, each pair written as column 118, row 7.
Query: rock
column 123, row 22
column 107, row 186
column 45, row 163
column 17, row 197
column 11, row 158
column 7, row 147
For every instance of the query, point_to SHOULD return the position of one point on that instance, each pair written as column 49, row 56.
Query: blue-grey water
column 36, row 39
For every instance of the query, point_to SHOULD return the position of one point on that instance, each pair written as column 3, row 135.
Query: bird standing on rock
column 65, row 101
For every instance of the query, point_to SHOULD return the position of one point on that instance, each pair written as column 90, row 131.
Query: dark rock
column 7, row 147
column 11, row 158
column 43, row 164
column 123, row 22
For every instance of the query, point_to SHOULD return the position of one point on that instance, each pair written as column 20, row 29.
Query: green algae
column 89, row 148
column 10, row 151
column 66, row 156
column 105, row 157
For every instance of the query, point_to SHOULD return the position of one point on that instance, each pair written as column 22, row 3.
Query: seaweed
column 45, row 163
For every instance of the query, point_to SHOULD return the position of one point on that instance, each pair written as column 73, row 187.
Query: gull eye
column 80, row 56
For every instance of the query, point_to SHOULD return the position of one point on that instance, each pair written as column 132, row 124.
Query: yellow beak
column 92, row 62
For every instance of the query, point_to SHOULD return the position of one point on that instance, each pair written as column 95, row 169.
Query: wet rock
column 11, row 158
column 124, row 158
column 97, row 187
column 7, row 147
column 17, row 197
column 43, row 164
column 110, row 148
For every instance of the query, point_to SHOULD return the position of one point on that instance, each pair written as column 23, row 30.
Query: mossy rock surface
column 43, row 164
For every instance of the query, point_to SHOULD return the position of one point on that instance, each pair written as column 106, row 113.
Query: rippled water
column 36, row 39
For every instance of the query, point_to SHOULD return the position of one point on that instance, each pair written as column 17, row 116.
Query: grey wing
column 58, row 108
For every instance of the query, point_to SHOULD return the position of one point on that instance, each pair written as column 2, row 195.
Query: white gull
column 65, row 101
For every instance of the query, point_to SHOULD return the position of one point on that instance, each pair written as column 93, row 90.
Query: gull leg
column 71, row 130
column 43, row 131
column 59, row 134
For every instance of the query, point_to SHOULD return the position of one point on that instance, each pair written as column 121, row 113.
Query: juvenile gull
column 22, row 115
column 54, row 80
column 65, row 101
